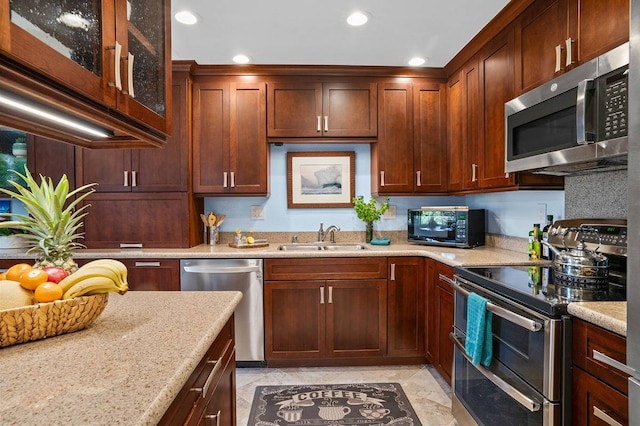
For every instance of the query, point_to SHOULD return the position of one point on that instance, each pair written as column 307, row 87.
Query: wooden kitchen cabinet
column 406, row 301
column 153, row 274
column 553, row 37
column 230, row 152
column 51, row 158
column 600, row 391
column 304, row 108
column 322, row 311
column 439, row 318
column 408, row 157
column 123, row 62
column 209, row 395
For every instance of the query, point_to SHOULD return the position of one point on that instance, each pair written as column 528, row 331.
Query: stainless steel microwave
column 454, row 226
column 575, row 122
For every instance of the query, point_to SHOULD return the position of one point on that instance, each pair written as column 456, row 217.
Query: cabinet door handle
column 322, row 295
column 130, row 59
column 211, row 418
column 134, row 178
column 224, row 179
column 147, row 264
column 117, row 80
column 569, row 59
column 326, row 123
column 318, row 123
column 474, row 168
column 233, row 179
column 605, row 359
column 382, row 178
column 558, row 58
column 393, row 272
column 131, row 245
column 126, row 178
column 330, row 294
column 602, row 415
column 204, row 389
column 418, row 178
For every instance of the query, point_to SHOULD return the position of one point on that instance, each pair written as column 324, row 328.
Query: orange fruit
column 47, row 292
column 33, row 278
column 13, row 273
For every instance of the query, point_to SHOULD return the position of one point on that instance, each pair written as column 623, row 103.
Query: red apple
column 55, row 273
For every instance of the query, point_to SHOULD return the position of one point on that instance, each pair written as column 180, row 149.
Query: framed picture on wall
column 321, row 179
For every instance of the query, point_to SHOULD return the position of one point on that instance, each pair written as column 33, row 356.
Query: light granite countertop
column 611, row 316
column 485, row 255
column 125, row 369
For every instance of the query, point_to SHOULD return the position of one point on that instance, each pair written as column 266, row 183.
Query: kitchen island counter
column 125, row 369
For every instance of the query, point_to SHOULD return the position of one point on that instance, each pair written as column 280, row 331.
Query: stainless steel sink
column 321, row 246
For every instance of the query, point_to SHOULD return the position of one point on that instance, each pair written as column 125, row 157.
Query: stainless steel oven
column 528, row 381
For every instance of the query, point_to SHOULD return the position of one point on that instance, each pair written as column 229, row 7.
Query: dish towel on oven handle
column 478, row 344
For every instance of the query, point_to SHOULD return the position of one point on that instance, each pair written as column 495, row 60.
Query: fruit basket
column 34, row 322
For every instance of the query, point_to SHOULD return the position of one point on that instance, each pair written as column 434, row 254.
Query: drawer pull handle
column 216, row 366
column 330, row 294
column 322, row 295
column 605, row 359
column 213, row 419
column 605, row 417
column 148, row 264
column 130, row 245
column 393, row 272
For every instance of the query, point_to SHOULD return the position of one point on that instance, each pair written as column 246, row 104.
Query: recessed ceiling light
column 186, row 17
column 241, row 59
column 417, row 61
column 357, row 18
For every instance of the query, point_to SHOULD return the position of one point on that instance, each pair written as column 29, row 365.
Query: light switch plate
column 257, row 212
column 390, row 213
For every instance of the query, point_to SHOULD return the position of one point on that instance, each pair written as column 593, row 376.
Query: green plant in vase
column 53, row 221
column 369, row 212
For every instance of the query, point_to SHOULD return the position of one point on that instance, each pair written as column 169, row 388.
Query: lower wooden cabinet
column 150, row 274
column 439, row 317
column 600, row 391
column 209, row 395
column 320, row 310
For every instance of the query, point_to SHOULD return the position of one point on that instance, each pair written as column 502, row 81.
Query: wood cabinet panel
column 153, row 274
column 51, row 158
column 307, row 108
column 593, row 400
column 439, row 317
column 429, row 137
column 392, row 156
column 406, row 301
column 230, row 153
column 325, row 268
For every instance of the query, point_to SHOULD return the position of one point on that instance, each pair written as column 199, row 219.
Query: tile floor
column 428, row 393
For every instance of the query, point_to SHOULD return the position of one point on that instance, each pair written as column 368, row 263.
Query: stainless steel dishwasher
column 244, row 275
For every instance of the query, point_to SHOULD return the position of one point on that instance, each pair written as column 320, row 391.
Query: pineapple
column 52, row 228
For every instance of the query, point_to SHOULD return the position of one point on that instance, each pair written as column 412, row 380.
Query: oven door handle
column 523, row 322
column 514, row 393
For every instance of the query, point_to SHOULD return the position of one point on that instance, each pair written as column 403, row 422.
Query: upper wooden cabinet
column 144, row 170
column 555, row 36
column 230, row 150
column 408, row 157
column 309, row 109
column 115, row 53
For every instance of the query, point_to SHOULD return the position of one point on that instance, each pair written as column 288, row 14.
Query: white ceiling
column 306, row 32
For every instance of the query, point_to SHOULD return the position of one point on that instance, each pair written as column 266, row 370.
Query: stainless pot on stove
column 580, row 267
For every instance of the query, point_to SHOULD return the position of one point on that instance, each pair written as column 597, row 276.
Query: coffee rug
column 315, row 405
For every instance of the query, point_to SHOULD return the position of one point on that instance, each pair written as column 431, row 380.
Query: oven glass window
column 486, row 402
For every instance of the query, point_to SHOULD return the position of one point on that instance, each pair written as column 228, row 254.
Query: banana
column 92, row 285
column 111, row 269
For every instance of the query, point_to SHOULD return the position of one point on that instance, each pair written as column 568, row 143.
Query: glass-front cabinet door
column 147, row 59
column 115, row 52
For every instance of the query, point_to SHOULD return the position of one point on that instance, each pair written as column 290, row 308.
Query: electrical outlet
column 257, row 212
column 541, row 217
column 390, row 213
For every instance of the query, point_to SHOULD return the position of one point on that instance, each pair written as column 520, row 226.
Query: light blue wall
column 509, row 213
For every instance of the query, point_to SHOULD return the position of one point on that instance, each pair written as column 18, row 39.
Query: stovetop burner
column 533, row 287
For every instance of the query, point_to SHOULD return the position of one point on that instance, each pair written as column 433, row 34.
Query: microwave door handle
column 583, row 137
column 508, row 315
column 514, row 393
